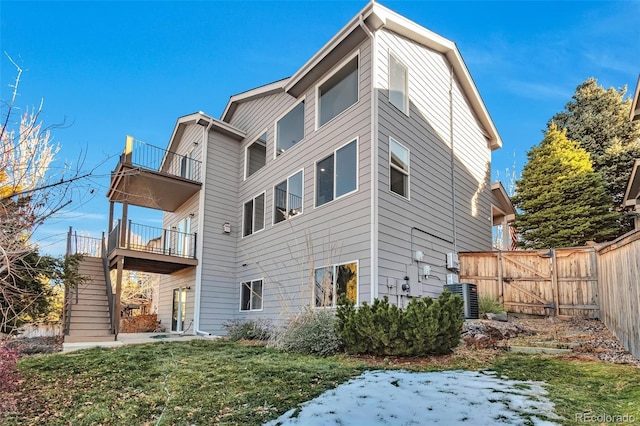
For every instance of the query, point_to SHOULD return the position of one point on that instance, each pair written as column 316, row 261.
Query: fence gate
column 561, row 282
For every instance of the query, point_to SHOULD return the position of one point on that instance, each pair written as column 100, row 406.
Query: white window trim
column 407, row 173
column 240, row 298
column 406, row 100
column 273, row 222
column 254, row 213
column 335, row 277
column 315, row 173
column 327, row 77
column 246, row 150
column 275, row 128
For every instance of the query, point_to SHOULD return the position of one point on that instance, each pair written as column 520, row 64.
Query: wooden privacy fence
column 560, row 282
column 619, row 268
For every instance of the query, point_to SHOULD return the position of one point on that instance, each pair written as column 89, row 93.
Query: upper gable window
column 339, row 92
column 256, row 155
column 290, row 129
column 398, row 84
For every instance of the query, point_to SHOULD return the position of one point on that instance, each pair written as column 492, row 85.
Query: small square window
column 331, row 282
column 251, row 295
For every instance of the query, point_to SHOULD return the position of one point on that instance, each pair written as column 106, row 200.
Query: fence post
column 500, row 280
column 554, row 282
column 69, row 241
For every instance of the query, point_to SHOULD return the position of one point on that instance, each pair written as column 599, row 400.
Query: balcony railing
column 144, row 155
column 149, row 239
column 86, row 246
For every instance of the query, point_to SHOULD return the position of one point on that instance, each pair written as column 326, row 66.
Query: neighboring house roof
column 501, row 205
column 373, row 18
column 634, row 114
column 633, row 187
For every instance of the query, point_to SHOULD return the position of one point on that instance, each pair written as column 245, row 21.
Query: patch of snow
column 405, row 398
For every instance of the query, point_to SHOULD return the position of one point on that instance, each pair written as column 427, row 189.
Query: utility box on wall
column 469, row 294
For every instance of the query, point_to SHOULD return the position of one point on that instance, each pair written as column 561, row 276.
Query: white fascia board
column 258, row 92
column 633, row 114
column 629, row 199
column 352, row 25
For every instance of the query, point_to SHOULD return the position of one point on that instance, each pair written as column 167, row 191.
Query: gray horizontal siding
column 285, row 253
column 426, row 132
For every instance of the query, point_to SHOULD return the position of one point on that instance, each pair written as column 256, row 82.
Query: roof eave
column 633, row 187
column 258, row 92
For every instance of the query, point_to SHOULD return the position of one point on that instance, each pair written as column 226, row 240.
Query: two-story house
column 362, row 174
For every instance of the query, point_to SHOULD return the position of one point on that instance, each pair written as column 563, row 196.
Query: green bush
column 487, row 304
column 312, row 332
column 425, row 327
column 241, row 329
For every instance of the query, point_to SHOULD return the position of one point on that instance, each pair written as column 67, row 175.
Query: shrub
column 240, row 329
column 9, row 378
column 425, row 327
column 487, row 304
column 310, row 332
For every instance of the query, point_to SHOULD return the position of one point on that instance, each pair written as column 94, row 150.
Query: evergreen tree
column 598, row 119
column 562, row 201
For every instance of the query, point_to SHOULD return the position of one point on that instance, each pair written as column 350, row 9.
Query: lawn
column 206, row 382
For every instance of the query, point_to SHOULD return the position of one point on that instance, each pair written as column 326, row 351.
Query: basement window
column 251, row 295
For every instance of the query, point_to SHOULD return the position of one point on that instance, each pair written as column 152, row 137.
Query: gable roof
column 634, row 114
column 204, row 120
column 501, row 205
column 370, row 19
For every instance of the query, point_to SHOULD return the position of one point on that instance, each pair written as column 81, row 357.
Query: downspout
column 200, row 250
column 374, row 162
column 453, row 174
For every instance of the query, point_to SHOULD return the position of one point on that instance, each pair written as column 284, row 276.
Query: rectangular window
column 290, row 129
column 256, row 155
column 339, row 92
column 331, row 282
column 287, row 198
column 186, row 165
column 398, row 168
column 251, row 295
column 253, row 215
column 398, row 84
column 337, row 175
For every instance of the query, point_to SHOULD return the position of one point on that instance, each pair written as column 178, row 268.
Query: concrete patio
column 133, row 339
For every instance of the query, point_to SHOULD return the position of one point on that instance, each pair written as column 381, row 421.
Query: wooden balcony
column 152, row 177
column 149, row 249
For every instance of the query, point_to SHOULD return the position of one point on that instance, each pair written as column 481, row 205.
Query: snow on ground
column 446, row 398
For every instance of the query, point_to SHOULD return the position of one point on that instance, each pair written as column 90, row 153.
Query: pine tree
column 562, row 201
column 598, row 119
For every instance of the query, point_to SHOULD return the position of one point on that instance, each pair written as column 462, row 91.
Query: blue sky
column 115, row 68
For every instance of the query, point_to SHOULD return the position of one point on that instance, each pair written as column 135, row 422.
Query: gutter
column 196, row 311
column 374, row 160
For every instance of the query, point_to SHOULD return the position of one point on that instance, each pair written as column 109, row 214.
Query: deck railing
column 144, row 155
column 150, row 239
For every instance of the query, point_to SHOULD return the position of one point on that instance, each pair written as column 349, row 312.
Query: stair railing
column 107, row 281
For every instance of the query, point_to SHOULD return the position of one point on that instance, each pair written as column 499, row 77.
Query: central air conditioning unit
column 469, row 294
